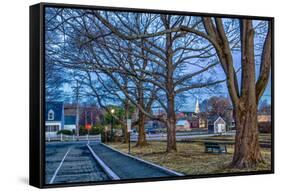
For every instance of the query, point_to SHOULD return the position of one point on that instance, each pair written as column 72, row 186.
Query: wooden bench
column 212, row 147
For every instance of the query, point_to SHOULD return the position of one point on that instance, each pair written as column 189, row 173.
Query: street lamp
column 111, row 126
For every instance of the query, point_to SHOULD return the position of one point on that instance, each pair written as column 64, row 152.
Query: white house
column 54, row 118
column 216, row 124
column 182, row 125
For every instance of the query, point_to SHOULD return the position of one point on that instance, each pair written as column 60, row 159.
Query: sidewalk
column 126, row 167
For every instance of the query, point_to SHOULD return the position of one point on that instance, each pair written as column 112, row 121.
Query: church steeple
column 197, row 109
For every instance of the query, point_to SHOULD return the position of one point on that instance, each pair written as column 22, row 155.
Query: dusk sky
column 190, row 97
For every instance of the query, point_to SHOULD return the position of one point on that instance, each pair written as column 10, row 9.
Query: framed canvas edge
column 41, row 90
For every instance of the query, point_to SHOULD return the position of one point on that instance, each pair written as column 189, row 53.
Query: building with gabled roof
column 216, row 124
column 54, row 118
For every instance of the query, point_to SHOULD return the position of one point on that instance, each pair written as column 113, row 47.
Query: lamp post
column 129, row 124
column 105, row 134
column 111, row 126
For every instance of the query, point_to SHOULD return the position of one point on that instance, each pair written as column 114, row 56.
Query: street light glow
column 112, row 111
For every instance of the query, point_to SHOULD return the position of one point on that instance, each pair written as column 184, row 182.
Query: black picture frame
column 37, row 95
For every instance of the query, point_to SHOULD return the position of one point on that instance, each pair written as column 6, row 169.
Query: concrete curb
column 169, row 171
column 107, row 170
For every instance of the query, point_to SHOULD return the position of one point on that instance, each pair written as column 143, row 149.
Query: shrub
column 65, row 132
column 95, row 130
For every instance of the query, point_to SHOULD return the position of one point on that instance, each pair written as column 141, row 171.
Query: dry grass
column 191, row 158
column 230, row 139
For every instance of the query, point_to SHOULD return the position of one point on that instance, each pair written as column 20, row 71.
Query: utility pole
column 77, row 108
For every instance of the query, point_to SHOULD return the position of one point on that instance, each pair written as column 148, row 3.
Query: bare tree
column 218, row 106
column 155, row 62
column 244, row 97
column 169, row 61
column 166, row 46
column 245, row 101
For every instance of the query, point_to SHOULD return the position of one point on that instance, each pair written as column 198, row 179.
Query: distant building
column 193, row 118
column 70, row 122
column 183, row 125
column 216, row 124
column 202, row 120
column 88, row 114
column 263, row 118
column 54, row 118
column 264, row 123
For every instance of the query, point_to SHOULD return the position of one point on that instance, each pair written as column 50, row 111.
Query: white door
column 221, row 128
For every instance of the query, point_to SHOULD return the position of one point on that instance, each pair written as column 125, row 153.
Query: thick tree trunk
column 125, row 131
column 171, row 116
column 171, row 127
column 142, row 136
column 247, row 149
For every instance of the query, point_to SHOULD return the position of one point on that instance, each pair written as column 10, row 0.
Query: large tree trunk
column 142, row 136
column 247, row 150
column 171, row 126
column 171, row 116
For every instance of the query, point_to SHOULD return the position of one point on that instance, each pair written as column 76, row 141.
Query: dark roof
column 213, row 118
column 57, row 107
column 70, row 120
column 188, row 112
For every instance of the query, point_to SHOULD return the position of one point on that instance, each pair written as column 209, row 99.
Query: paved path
column 66, row 163
column 69, row 162
column 126, row 167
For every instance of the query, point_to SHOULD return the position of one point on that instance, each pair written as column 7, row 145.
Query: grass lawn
column 191, row 158
column 262, row 138
column 265, row 139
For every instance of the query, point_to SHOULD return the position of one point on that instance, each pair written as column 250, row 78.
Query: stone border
column 107, row 170
column 169, row 171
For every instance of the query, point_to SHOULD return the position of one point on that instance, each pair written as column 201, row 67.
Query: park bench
column 211, row 147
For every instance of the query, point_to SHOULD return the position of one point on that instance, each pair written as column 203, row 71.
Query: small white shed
column 216, row 124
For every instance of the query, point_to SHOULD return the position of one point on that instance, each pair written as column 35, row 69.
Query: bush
column 65, row 132
column 95, row 130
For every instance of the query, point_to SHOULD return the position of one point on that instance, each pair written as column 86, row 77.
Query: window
column 51, row 115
